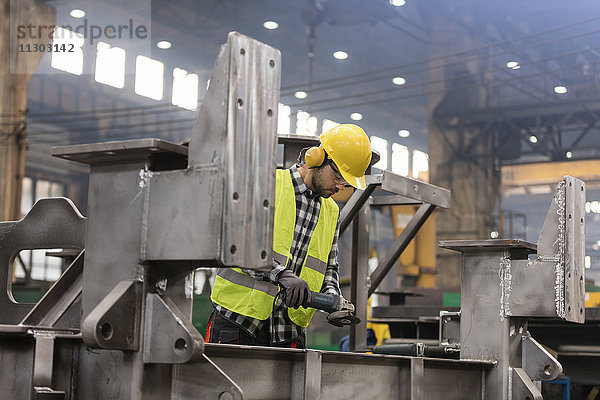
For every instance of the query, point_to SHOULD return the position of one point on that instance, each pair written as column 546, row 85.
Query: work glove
column 297, row 291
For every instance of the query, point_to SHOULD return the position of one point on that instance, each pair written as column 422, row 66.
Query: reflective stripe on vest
column 237, row 291
column 280, row 258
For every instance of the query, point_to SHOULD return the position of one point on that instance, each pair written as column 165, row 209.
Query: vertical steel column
column 360, row 270
column 485, row 333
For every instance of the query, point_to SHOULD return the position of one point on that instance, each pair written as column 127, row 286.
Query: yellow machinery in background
column 417, row 262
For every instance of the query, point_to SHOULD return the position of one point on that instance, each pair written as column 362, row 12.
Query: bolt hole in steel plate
column 263, row 255
column 225, row 396
column 180, row 345
column 549, row 370
column 106, row 331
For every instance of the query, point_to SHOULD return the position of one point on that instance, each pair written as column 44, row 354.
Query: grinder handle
column 326, row 302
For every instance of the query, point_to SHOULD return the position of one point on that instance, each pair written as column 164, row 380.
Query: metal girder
column 60, row 307
column 360, row 271
column 358, row 199
column 399, row 185
column 559, row 127
column 399, row 245
column 300, row 374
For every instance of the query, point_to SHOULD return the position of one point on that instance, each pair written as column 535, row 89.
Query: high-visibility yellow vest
column 240, row 293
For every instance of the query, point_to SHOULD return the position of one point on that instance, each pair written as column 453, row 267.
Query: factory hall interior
column 300, row 199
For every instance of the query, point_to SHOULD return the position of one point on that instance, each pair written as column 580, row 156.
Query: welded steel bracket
column 114, row 323
column 43, row 368
column 449, row 328
column 537, row 362
column 521, row 387
column 178, row 343
column 559, row 265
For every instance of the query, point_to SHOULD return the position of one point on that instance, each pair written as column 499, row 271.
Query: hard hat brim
column 355, row 181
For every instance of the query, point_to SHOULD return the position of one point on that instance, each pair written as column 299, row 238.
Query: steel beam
column 399, row 245
column 359, row 282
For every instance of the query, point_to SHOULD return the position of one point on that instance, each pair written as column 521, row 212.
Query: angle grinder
column 341, row 312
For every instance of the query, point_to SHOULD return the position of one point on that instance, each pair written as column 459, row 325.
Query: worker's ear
column 314, row 157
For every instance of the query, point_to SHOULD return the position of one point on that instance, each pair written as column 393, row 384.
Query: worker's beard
column 318, row 183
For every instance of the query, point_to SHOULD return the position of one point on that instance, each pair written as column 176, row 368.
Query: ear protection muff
column 314, row 157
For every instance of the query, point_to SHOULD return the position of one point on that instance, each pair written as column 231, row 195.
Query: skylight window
column 420, row 163
column 400, row 162
column 306, row 124
column 381, row 146
column 110, row 65
column 149, row 75
column 284, row 120
column 185, row 89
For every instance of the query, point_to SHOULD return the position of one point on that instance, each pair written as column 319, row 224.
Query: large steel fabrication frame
column 117, row 324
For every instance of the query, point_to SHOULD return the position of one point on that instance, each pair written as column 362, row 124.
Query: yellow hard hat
column 349, row 148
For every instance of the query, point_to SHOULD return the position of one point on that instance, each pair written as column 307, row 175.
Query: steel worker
column 249, row 307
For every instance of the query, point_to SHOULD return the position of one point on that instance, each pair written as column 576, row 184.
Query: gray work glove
column 297, row 291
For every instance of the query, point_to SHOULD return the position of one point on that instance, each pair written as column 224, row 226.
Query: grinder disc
column 342, row 318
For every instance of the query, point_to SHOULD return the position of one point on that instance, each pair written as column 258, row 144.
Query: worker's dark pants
column 222, row 330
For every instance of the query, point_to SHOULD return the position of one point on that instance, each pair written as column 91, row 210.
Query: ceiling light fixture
column 356, row 116
column 403, row 133
column 494, row 234
column 397, row 3
column 300, row 94
column 164, row 44
column 340, row 55
column 77, row 13
column 270, row 25
column 398, row 80
column 533, row 139
column 560, row 89
column 513, row 65
column 568, row 154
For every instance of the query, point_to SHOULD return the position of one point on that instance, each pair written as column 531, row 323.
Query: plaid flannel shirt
column 282, row 329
